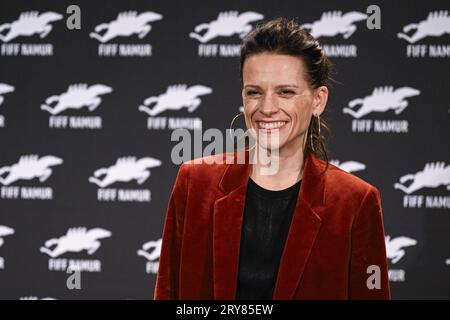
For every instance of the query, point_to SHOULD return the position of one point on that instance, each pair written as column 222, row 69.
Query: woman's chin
column 270, row 144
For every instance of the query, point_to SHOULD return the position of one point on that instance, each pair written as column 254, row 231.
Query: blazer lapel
column 227, row 226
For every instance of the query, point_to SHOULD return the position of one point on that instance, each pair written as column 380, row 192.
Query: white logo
column 175, row 98
column 349, row 166
column 155, row 250
column 76, row 97
column 76, row 240
column 36, row 298
column 28, row 24
column 227, row 24
column 4, row 88
column 436, row 24
column 382, row 99
column 126, row 24
column 125, row 169
column 394, row 247
column 433, row 175
column 5, row 231
column 29, row 167
column 151, row 251
column 332, row 23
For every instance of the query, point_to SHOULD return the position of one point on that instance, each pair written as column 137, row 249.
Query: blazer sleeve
column 368, row 251
column 167, row 279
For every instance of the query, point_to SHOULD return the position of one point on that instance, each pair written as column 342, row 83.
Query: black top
column 267, row 218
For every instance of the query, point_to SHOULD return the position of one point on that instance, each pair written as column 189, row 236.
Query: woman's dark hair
column 283, row 36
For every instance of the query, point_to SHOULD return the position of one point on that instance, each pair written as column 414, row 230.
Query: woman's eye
column 287, row 92
column 251, row 92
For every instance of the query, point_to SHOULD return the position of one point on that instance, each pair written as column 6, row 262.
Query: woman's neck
column 277, row 170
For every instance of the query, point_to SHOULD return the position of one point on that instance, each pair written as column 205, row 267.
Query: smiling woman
column 307, row 230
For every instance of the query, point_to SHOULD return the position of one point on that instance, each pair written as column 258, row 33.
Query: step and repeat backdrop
column 86, row 117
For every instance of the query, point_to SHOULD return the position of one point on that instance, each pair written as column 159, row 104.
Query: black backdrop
column 46, row 160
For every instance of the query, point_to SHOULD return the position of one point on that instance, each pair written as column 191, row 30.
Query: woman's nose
column 269, row 104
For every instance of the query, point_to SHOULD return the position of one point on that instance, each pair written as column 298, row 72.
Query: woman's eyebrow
column 251, row 86
column 287, row 85
column 277, row 87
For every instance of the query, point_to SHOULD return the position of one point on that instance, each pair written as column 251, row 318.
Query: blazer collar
column 227, row 226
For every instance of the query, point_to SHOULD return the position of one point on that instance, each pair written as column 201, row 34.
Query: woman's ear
column 320, row 100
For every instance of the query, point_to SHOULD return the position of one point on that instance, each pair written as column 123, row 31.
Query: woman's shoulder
column 207, row 167
column 215, row 160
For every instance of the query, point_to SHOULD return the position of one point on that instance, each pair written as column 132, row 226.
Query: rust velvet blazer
column 336, row 233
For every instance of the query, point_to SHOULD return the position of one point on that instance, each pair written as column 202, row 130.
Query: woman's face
column 278, row 99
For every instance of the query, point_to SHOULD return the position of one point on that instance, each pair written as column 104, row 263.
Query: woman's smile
column 267, row 127
column 271, row 126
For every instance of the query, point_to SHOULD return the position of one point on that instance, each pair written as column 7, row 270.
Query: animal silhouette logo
column 29, row 167
column 436, row 24
column 5, row 231
column 382, row 99
column 28, row 24
column 124, row 170
column 126, row 24
column 77, row 96
column 175, row 98
column 349, row 166
column 151, row 250
column 433, row 175
column 76, row 240
column 227, row 24
column 332, row 23
column 394, row 247
column 5, row 88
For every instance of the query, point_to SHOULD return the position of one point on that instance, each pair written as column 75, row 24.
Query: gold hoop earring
column 245, row 134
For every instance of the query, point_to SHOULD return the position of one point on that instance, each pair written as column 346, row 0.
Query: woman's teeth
column 271, row 125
